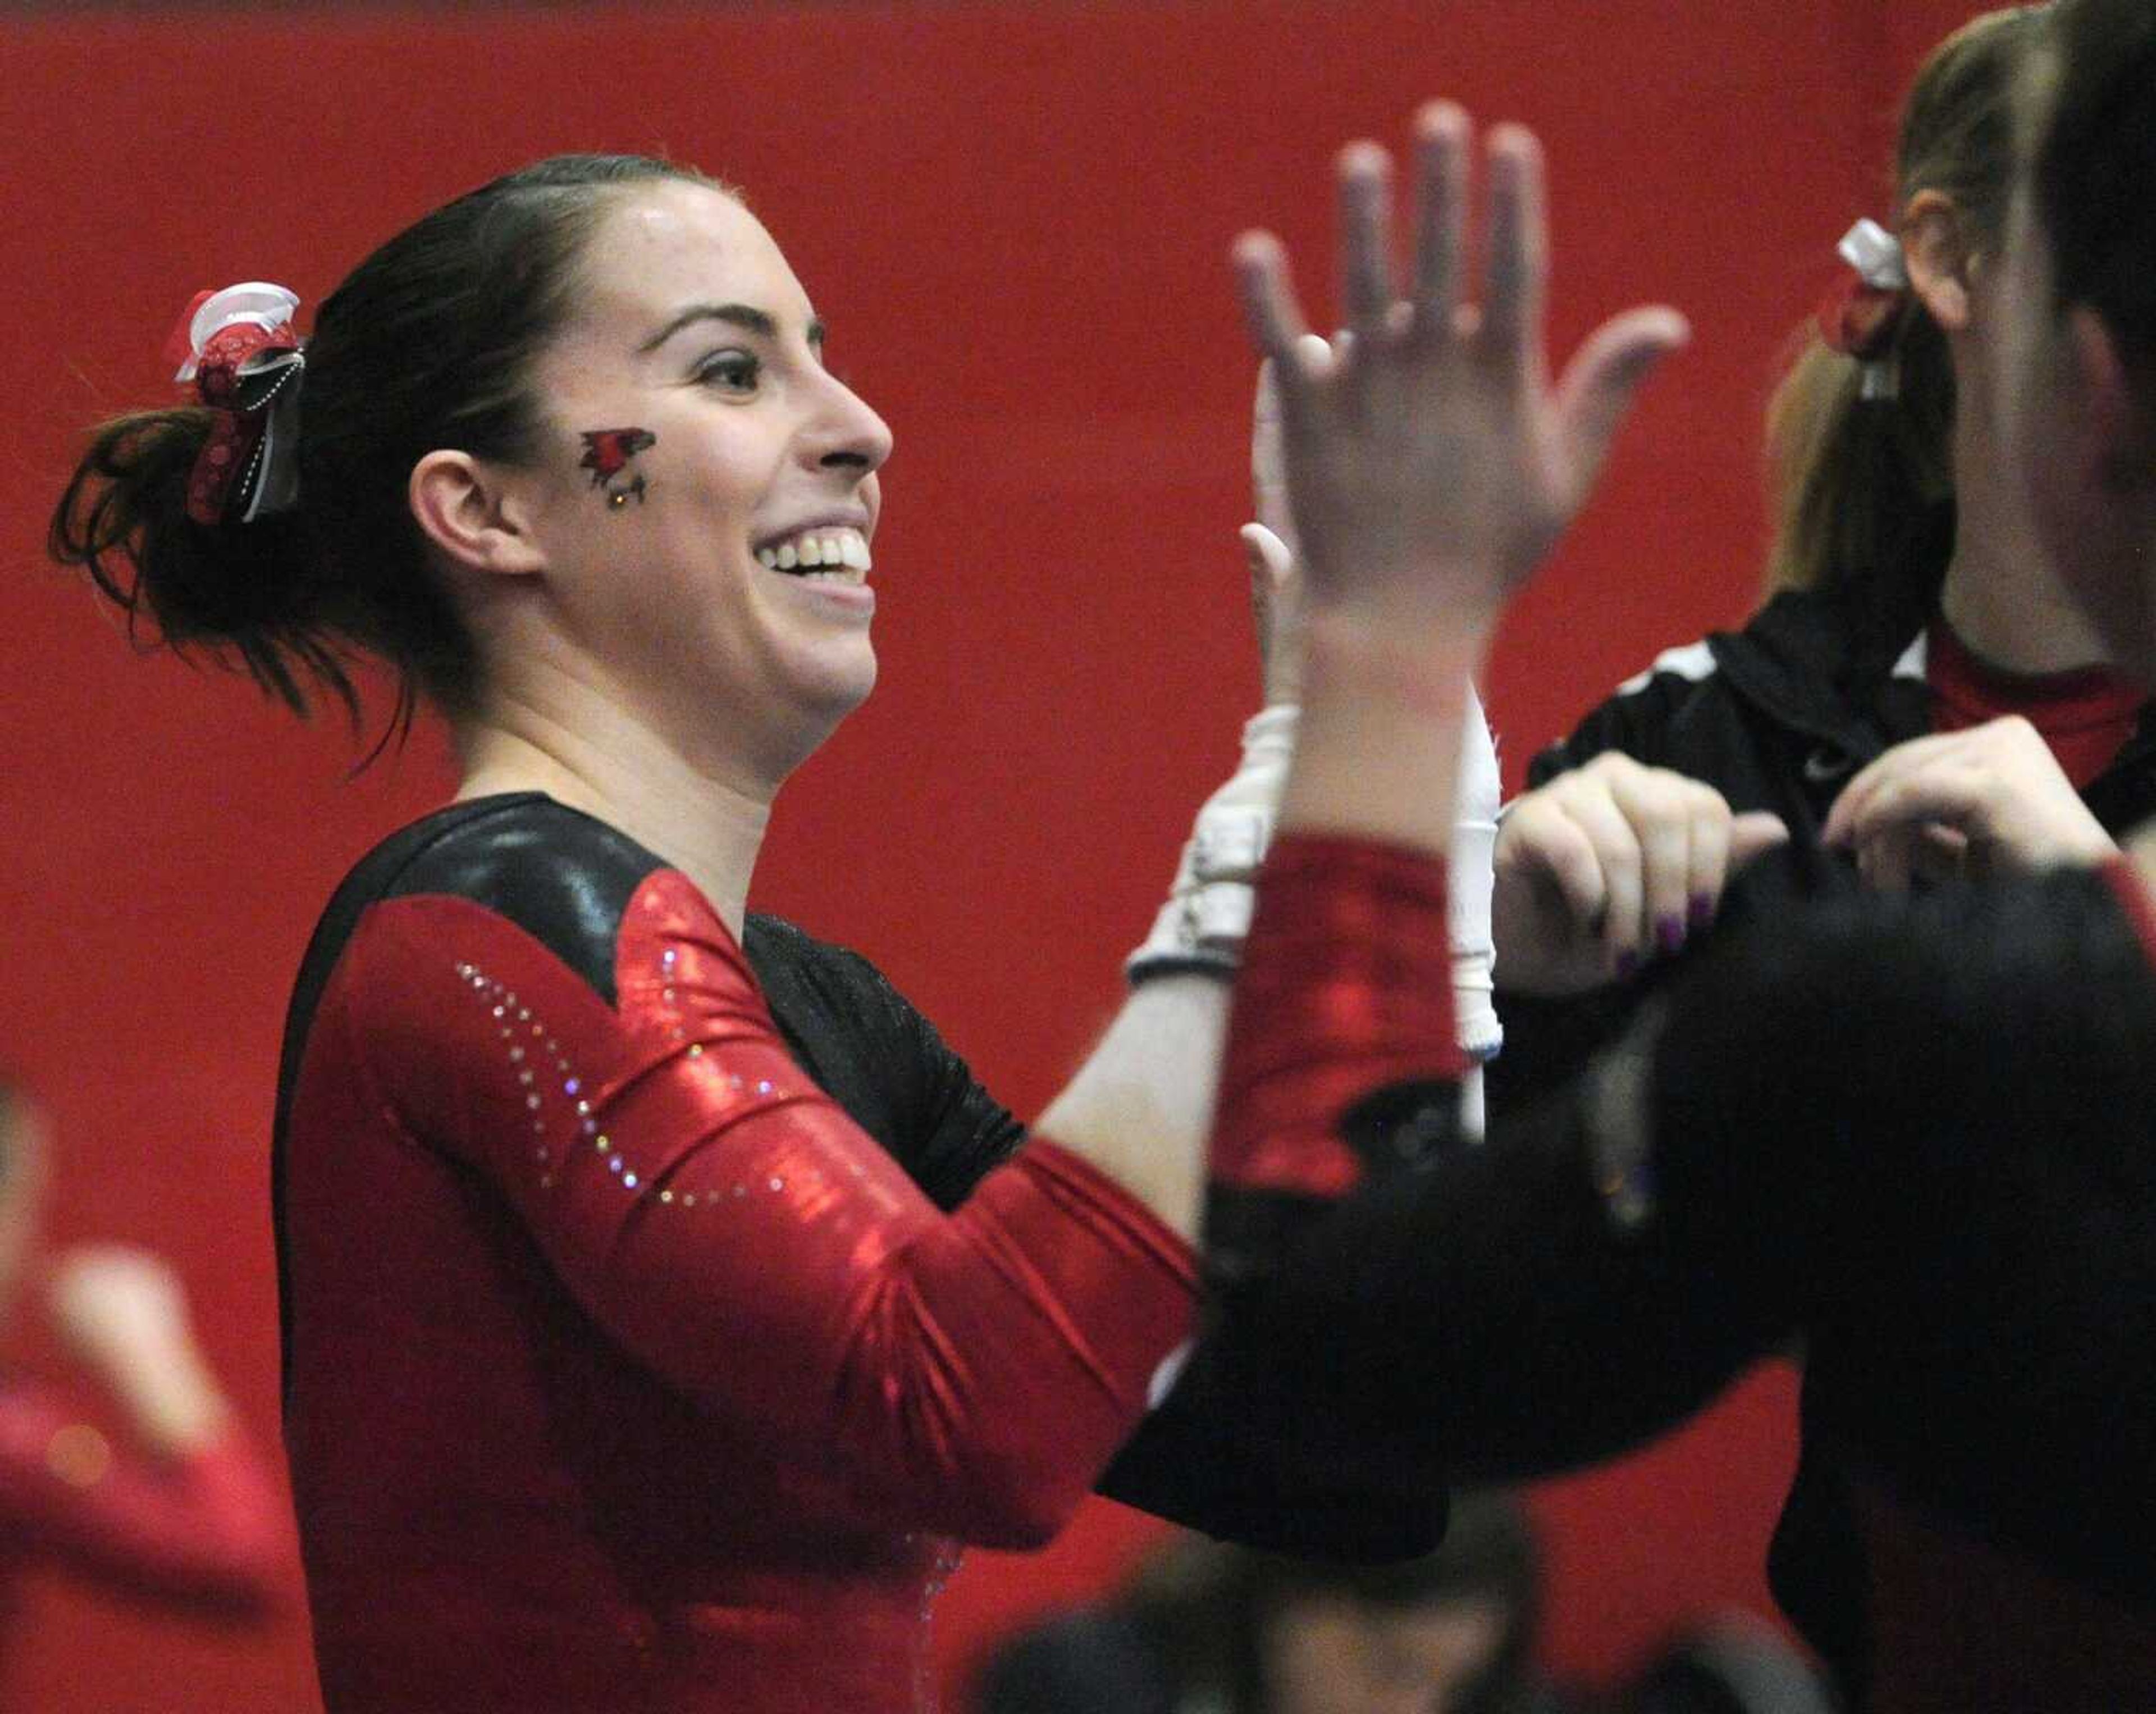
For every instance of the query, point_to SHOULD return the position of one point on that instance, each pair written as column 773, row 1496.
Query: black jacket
column 1779, row 715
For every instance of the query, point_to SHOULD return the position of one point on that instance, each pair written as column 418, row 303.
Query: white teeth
column 818, row 550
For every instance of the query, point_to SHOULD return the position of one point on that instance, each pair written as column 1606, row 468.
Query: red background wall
column 1014, row 218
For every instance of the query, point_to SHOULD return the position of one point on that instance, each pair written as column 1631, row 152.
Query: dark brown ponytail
column 236, row 589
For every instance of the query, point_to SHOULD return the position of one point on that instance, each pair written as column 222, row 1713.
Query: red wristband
column 1346, row 987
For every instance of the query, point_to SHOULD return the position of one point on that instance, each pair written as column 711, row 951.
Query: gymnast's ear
column 472, row 512
column 1936, row 249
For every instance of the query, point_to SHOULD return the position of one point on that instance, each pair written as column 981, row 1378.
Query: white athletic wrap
column 1470, row 881
column 1207, row 913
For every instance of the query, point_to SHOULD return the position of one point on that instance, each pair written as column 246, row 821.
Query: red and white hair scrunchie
column 1863, row 312
column 240, row 349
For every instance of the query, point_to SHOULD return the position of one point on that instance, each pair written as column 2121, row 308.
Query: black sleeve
column 1482, row 1317
column 1960, row 1181
column 1919, row 1132
column 1232, row 1453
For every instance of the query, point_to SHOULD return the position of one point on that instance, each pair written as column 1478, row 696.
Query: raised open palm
column 1430, row 464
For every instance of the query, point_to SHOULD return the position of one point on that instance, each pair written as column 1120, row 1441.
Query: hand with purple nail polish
column 1611, row 865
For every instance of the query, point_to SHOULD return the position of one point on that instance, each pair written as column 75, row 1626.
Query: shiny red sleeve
column 970, row 1373
column 1345, row 988
column 206, row 1530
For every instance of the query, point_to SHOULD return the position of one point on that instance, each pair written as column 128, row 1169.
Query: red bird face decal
column 607, row 453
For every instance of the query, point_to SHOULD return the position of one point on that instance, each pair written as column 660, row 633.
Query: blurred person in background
column 1918, row 691
column 1206, row 1629
column 1212, row 1629
column 181, row 1513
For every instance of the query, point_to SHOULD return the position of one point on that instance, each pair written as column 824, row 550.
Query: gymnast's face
column 707, row 497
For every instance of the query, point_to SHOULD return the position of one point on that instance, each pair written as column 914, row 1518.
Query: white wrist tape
column 1470, row 881
column 1207, row 917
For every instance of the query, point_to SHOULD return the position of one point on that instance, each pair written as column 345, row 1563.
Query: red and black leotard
column 625, row 1370
column 1921, row 1135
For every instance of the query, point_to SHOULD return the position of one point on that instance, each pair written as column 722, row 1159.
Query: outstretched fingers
column 1274, row 317
column 1432, row 426
column 1518, row 270
column 1366, row 218
column 1605, row 377
column 1442, row 131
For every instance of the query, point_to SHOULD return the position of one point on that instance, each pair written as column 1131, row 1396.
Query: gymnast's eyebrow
column 738, row 315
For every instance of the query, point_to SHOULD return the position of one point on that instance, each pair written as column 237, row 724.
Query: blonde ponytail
column 1863, row 486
